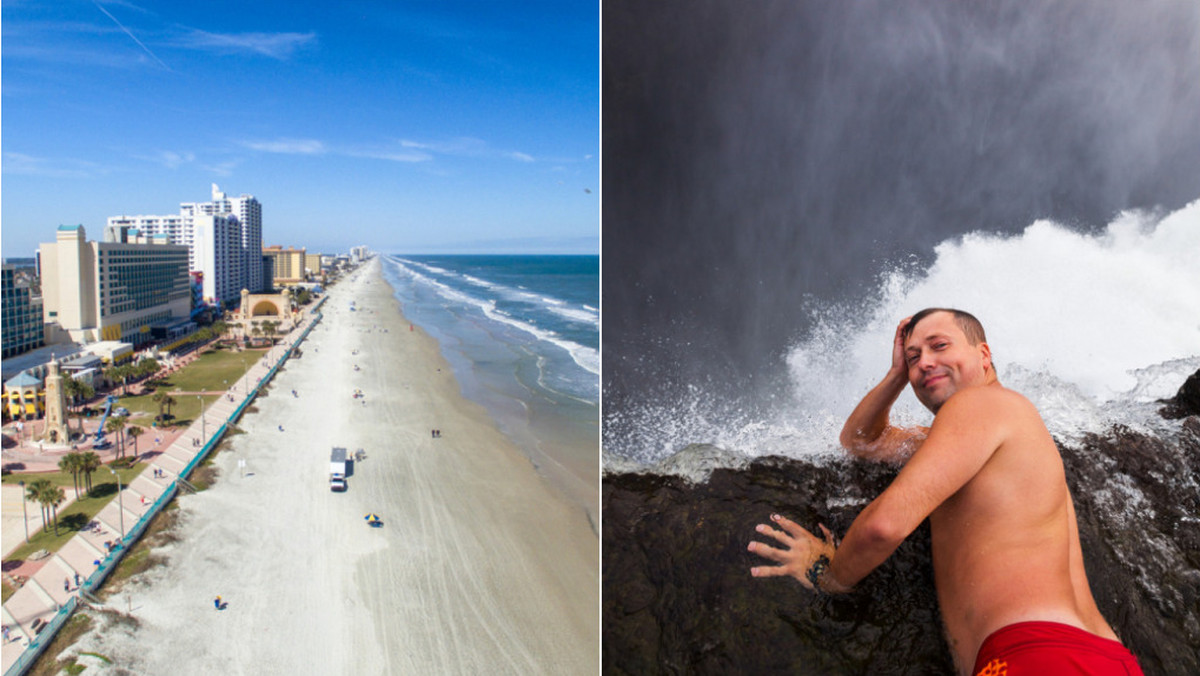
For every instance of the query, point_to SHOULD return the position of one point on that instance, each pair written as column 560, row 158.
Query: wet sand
column 481, row 565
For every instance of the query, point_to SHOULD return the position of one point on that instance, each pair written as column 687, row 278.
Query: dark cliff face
column 678, row 596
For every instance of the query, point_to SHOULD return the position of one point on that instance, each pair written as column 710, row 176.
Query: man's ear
column 986, row 351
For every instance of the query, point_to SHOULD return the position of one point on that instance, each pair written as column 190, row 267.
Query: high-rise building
column 223, row 236
column 248, row 213
column 20, row 315
column 288, row 265
column 312, row 263
column 112, row 290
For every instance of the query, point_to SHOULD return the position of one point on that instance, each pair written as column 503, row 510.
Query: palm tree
column 110, row 374
column 169, row 401
column 135, row 432
column 88, row 463
column 149, row 366
column 35, row 490
column 86, row 392
column 53, row 497
column 160, row 398
column 117, row 373
column 125, row 372
column 73, row 390
column 72, row 462
column 116, row 425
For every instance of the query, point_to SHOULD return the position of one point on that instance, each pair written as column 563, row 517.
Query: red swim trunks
column 1052, row 648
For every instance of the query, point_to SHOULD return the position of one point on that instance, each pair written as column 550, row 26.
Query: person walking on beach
column 1007, row 561
column 217, row 603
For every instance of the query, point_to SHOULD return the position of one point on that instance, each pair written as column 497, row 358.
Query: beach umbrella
column 371, row 517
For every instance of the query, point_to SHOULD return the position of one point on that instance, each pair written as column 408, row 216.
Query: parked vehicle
column 337, row 470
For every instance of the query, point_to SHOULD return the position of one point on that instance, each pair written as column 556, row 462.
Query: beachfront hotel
column 134, row 291
column 223, row 236
column 288, row 266
column 21, row 319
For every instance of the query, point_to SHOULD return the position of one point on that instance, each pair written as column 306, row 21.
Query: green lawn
column 215, row 370
column 75, row 516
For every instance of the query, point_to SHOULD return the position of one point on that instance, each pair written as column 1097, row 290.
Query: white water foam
column 585, row 315
column 585, row 357
column 1091, row 328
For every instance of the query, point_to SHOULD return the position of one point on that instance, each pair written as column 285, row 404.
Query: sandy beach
column 481, row 566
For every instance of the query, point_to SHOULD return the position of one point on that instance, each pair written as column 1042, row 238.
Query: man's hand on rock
column 801, row 551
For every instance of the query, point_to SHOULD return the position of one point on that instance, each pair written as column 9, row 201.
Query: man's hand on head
column 800, row 557
column 899, row 362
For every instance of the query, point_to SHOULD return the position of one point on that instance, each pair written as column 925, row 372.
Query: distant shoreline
column 562, row 444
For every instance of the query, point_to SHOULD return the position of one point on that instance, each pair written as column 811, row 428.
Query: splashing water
column 1093, row 328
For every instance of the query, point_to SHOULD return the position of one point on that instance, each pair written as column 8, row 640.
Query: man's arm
column 965, row 433
column 868, row 432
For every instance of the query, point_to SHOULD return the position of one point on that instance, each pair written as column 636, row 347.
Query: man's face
column 941, row 361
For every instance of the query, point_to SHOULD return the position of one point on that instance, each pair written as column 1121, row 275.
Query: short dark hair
column 965, row 320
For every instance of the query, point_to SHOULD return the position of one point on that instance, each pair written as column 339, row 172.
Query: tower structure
column 56, row 406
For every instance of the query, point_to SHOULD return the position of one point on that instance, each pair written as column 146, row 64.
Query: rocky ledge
column 678, row 596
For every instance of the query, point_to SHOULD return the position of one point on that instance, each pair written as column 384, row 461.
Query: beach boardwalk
column 51, row 594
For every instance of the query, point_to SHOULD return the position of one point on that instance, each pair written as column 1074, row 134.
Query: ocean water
column 522, row 334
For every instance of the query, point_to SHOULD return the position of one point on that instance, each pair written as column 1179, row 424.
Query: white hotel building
column 223, row 236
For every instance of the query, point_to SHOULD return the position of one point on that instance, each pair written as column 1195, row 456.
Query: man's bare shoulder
column 985, row 402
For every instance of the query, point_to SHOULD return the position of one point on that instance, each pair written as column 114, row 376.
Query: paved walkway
column 49, row 585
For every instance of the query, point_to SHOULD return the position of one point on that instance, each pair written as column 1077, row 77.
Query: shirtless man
column 987, row 475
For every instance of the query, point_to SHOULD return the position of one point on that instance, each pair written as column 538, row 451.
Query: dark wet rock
column 678, row 596
column 1138, row 506
column 1186, row 402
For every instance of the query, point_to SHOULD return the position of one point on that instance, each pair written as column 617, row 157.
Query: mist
column 768, row 162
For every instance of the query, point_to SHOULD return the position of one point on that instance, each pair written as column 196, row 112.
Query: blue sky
column 415, row 127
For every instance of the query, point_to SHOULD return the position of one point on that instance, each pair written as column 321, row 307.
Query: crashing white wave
column 1092, row 328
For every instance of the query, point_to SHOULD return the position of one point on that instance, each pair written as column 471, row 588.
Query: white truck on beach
column 337, row 470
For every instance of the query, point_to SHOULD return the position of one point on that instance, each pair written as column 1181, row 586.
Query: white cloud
column 280, row 46
column 28, row 165
column 410, row 156
column 222, row 169
column 169, row 158
column 466, row 146
column 402, row 150
column 288, row 146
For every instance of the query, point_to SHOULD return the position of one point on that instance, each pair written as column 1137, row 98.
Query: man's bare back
column 986, row 474
column 1004, row 546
